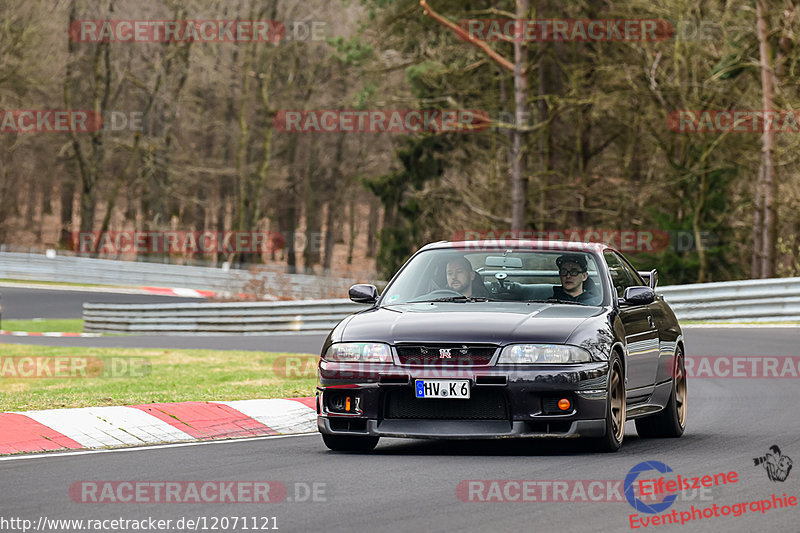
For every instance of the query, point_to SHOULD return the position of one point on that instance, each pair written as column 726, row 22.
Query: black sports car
column 505, row 339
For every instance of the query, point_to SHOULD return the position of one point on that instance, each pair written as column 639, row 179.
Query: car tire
column 670, row 422
column 616, row 402
column 348, row 443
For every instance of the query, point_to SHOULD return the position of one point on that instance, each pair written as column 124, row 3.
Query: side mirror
column 639, row 296
column 363, row 293
column 651, row 278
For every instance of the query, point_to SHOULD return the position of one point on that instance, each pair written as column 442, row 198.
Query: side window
column 632, row 273
column 620, row 277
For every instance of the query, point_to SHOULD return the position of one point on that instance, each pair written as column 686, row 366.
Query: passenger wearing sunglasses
column 575, row 283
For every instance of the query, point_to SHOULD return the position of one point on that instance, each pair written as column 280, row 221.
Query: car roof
column 520, row 244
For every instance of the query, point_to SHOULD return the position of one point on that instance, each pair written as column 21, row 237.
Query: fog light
column 337, row 402
column 342, row 403
column 564, row 404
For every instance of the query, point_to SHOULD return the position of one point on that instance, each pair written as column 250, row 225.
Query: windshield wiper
column 455, row 299
column 556, row 301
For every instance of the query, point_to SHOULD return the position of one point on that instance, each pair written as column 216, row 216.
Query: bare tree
column 519, row 149
column 765, row 224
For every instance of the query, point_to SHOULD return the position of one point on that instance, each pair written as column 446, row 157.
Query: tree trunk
column 545, row 138
column 768, row 183
column 702, row 194
column 519, row 159
column 758, row 225
column 243, row 200
column 330, row 234
column 288, row 210
column 32, row 194
column 372, row 227
column 66, row 200
column 312, row 208
column 335, row 185
column 287, row 225
column 89, row 166
column 351, row 240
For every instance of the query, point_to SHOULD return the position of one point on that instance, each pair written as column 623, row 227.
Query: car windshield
column 448, row 275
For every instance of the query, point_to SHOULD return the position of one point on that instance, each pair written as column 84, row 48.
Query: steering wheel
column 443, row 293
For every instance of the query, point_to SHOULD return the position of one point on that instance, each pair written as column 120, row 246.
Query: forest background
column 581, row 136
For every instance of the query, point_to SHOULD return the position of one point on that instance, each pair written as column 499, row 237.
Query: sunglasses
column 573, row 273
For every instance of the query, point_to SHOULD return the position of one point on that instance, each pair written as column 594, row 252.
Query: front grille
column 484, row 404
column 437, row 354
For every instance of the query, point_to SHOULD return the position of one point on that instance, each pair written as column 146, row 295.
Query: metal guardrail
column 743, row 301
column 760, row 300
column 766, row 300
column 310, row 316
column 23, row 266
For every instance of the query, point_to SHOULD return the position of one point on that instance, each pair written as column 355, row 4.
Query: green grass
column 103, row 377
column 70, row 325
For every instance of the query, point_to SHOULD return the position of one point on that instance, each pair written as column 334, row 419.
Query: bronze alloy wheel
column 680, row 389
column 671, row 421
column 617, row 402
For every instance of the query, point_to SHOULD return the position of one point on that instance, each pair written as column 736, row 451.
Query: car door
column 641, row 334
column 663, row 318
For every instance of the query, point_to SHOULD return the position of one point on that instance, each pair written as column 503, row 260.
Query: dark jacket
column 478, row 288
column 590, row 294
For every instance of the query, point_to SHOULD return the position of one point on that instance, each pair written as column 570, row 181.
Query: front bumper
column 521, row 395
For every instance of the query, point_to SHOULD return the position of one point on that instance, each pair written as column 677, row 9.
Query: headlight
column 359, row 352
column 516, row 354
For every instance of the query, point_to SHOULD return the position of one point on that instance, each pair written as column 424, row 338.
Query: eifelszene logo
column 630, row 484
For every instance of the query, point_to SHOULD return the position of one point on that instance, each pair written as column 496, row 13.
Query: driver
column 461, row 277
column 575, row 283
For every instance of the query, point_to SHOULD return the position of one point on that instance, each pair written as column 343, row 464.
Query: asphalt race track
column 412, row 485
column 23, row 303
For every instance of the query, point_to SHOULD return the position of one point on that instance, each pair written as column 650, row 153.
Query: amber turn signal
column 564, row 404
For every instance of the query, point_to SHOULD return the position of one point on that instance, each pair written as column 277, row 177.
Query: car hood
column 477, row 322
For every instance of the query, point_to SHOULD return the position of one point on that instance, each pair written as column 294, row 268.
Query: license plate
column 442, row 388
